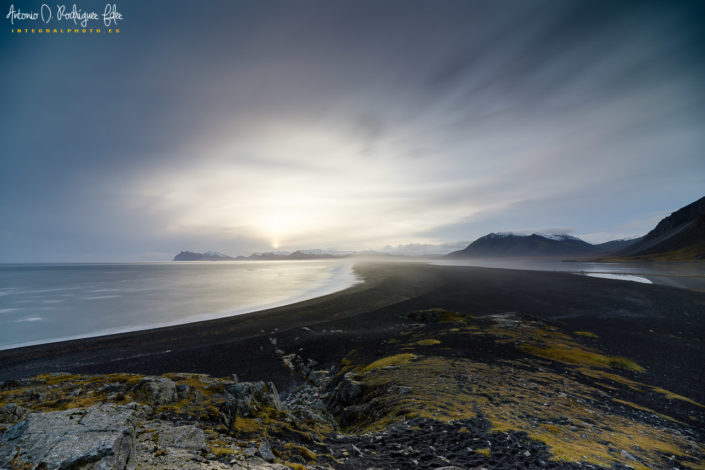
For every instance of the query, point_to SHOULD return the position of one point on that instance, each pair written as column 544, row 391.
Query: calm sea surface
column 52, row 302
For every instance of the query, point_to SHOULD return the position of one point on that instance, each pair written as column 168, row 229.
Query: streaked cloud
column 349, row 125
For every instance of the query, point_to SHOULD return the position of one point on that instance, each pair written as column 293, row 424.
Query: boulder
column 245, row 397
column 345, row 393
column 156, row 390
column 11, row 414
column 265, row 451
column 182, row 437
column 99, row 437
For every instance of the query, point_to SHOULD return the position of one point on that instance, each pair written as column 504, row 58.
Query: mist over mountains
column 678, row 237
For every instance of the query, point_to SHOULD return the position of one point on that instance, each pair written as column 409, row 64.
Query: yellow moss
column 637, row 385
column 428, row 342
column 345, row 361
column 648, row 410
column 448, row 316
column 601, row 374
column 486, row 452
column 221, row 451
column 53, row 379
column 301, row 450
column 513, row 401
column 603, row 385
column 573, row 355
column 551, row 428
column 247, row 425
column 588, row 334
column 294, row 466
column 396, row 360
column 675, row 396
column 463, row 430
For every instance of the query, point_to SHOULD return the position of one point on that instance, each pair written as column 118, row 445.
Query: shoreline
column 550, row 369
column 223, row 345
column 339, row 282
column 244, row 325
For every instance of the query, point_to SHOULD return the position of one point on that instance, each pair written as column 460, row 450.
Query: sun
column 278, row 226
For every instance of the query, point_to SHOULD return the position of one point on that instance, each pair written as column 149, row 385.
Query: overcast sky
column 247, row 126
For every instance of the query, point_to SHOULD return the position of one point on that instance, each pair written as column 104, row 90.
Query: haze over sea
column 41, row 303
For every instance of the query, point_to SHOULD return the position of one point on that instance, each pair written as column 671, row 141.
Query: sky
column 244, row 126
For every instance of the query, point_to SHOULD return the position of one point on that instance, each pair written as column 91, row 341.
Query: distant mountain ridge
column 207, row 256
column 680, row 236
column 507, row 244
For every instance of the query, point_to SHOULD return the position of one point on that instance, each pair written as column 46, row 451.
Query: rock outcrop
column 100, row 437
column 156, row 390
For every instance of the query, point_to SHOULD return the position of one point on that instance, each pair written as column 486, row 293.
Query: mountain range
column 678, row 237
column 503, row 245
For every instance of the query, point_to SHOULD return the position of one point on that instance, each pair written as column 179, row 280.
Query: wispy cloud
column 350, row 125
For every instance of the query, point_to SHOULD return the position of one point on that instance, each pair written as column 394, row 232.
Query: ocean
column 42, row 303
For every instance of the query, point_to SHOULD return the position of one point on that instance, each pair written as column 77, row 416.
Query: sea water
column 53, row 302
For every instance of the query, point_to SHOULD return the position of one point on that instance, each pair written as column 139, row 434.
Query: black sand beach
column 622, row 346
column 661, row 327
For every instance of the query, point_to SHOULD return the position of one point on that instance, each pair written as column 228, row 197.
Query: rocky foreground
column 526, row 394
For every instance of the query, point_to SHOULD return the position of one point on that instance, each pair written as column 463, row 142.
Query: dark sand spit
column 419, row 367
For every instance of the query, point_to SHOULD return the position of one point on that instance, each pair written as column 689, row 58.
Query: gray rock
column 245, row 397
column 156, row 390
column 100, row 437
column 318, row 377
column 349, row 388
column 249, row 452
column 182, row 437
column 627, row 455
column 11, row 414
column 265, row 451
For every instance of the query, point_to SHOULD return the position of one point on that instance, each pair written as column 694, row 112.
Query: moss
column 675, row 396
column 345, row 361
column 428, row 342
column 486, row 452
column 396, row 360
column 447, row 316
column 221, row 451
column 247, row 425
column 587, row 334
column 648, row 410
column 301, row 450
column 294, row 466
column 576, row 424
column 573, row 355
column 623, row 363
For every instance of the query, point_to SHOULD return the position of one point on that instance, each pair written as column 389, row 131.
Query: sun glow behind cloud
column 309, row 187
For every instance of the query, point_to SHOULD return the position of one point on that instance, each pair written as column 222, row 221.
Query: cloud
column 349, row 125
